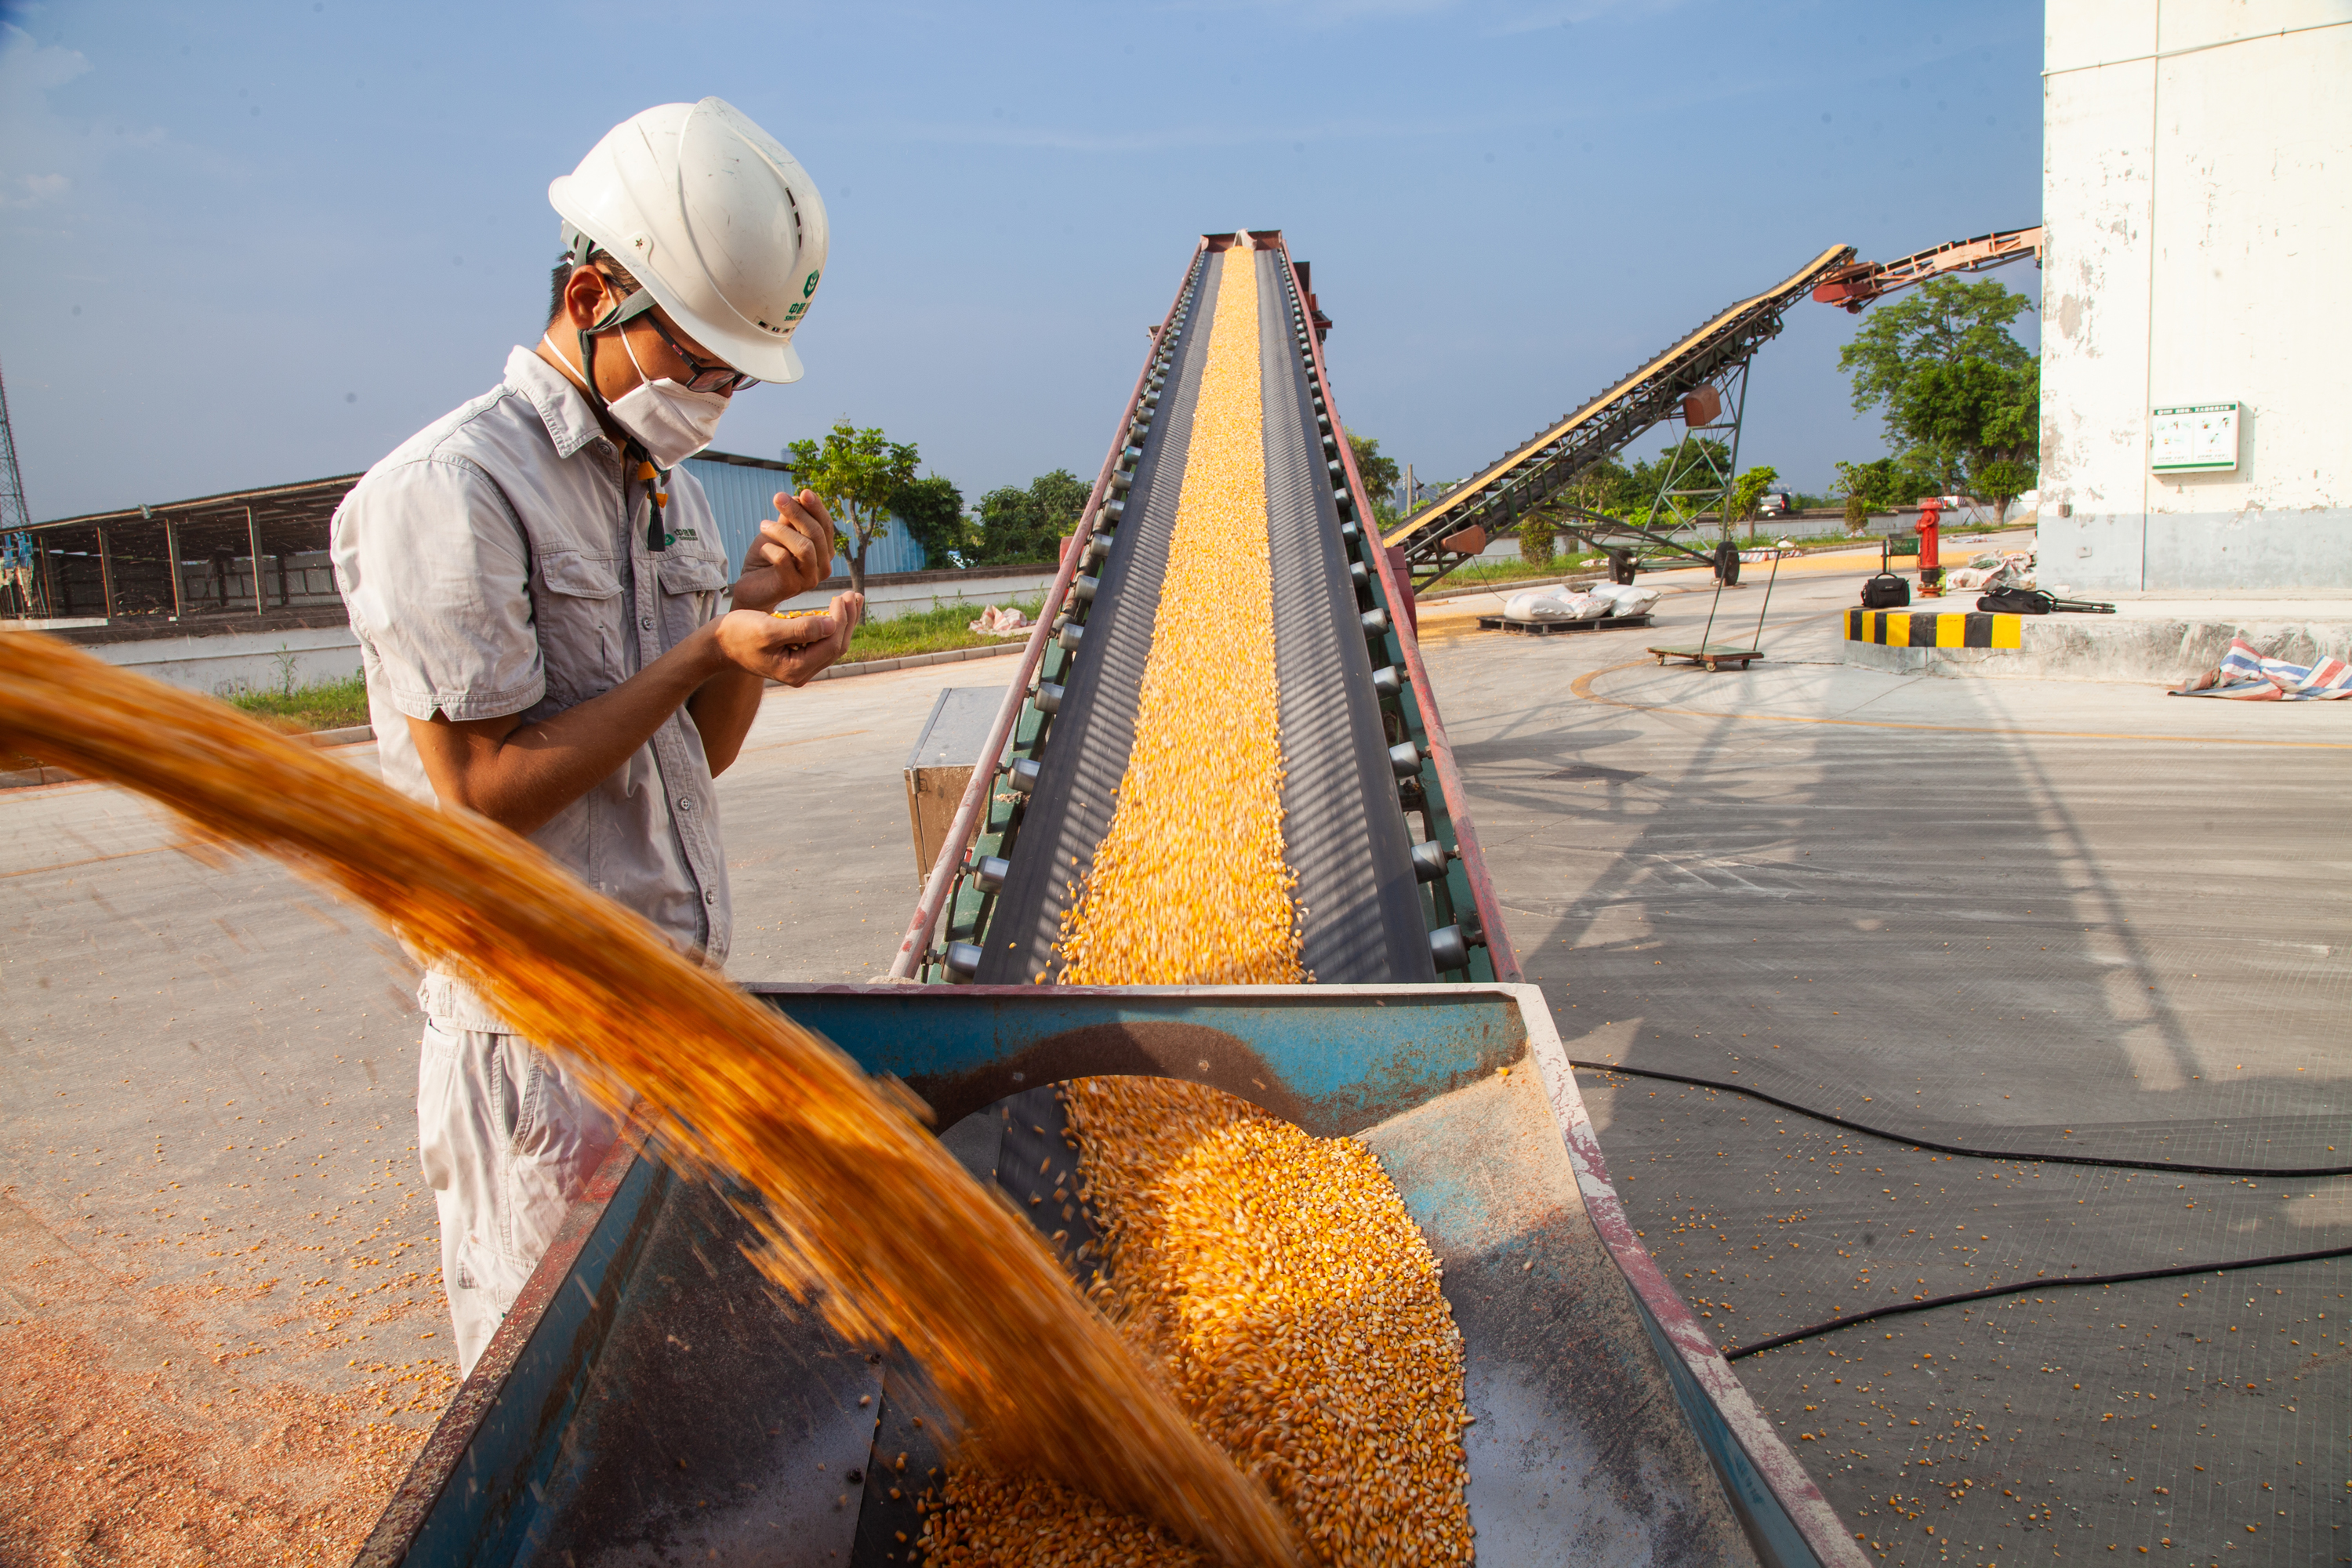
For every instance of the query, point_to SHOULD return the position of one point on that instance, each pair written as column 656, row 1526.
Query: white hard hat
column 723, row 227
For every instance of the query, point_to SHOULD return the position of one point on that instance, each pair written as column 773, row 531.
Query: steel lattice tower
column 16, row 545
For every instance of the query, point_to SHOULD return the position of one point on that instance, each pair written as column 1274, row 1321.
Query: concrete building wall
column 229, row 663
column 2197, row 200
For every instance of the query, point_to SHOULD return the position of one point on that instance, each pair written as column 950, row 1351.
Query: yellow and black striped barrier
column 1935, row 628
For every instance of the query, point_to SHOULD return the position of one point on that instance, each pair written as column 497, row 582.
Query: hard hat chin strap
column 636, row 461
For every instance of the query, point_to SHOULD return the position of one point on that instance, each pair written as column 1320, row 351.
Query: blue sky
column 255, row 242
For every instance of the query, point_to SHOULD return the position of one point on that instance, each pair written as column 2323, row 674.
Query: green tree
column 1857, row 513
column 1957, row 389
column 1537, row 538
column 2001, row 482
column 932, row 510
column 1598, row 486
column 1018, row 526
column 856, row 473
column 1885, row 484
column 1380, row 475
column 1747, row 490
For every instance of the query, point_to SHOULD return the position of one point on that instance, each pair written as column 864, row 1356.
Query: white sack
column 1538, row 605
column 1628, row 599
column 1589, row 606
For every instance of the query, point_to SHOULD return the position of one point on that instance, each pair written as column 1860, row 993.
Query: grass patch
column 936, row 630
column 336, row 705
column 1486, row 572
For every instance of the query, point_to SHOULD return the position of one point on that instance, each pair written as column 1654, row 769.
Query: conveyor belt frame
column 1490, row 505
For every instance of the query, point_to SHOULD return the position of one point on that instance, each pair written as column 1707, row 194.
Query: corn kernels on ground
column 1280, row 1283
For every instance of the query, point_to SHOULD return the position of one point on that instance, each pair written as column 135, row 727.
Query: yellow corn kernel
column 1189, row 885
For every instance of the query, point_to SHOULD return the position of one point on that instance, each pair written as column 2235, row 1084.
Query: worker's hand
column 790, row 648
column 792, row 554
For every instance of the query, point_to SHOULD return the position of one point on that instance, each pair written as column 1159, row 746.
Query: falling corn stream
column 861, row 1211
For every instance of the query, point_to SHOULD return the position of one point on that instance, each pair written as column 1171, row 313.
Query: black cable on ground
column 2023, row 1286
column 1834, row 1120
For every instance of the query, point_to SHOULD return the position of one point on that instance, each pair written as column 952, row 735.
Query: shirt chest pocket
column 690, row 585
column 580, row 615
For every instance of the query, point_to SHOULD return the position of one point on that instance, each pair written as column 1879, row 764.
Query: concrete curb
column 1516, row 585
column 2122, row 649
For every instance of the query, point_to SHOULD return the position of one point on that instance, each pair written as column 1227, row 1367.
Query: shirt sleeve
column 435, row 572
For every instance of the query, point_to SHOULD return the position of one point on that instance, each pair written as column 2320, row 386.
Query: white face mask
column 670, row 421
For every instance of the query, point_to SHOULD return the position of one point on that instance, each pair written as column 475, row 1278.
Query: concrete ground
column 2068, row 915
column 2016, row 915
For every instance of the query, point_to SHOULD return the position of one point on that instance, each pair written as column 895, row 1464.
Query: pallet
column 1712, row 655
column 1549, row 628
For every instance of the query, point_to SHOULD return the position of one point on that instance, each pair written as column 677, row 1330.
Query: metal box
column 649, row 1399
column 941, row 763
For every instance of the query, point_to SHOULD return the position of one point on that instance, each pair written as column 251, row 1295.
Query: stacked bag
column 1605, row 601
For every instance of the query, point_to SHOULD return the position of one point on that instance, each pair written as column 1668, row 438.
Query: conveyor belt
column 1501, row 492
column 1345, row 835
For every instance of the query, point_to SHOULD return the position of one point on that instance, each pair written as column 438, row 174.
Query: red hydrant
column 1931, row 563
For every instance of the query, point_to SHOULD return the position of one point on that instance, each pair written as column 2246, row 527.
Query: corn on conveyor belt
column 1388, row 882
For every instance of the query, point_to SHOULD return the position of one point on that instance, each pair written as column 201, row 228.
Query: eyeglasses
column 707, row 376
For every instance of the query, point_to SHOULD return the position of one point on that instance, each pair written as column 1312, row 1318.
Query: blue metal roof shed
column 743, row 496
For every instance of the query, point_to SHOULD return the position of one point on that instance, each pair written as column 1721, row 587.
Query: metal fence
column 243, row 553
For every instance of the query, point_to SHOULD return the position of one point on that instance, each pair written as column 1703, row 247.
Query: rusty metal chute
column 1853, row 287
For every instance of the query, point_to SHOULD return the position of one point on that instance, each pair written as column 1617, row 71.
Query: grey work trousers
column 508, row 1140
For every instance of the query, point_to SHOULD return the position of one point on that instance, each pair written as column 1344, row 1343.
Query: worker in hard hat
column 553, row 638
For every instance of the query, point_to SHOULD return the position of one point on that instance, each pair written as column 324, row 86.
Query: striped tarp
column 2245, row 675
column 1935, row 628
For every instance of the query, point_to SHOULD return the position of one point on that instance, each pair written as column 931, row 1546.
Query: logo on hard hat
column 809, row 287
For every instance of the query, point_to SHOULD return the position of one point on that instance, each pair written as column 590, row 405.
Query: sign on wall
column 2202, row 436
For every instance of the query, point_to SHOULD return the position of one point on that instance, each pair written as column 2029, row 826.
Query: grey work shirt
column 496, row 564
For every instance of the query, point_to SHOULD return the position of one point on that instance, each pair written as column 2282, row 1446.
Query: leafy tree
column 1957, row 389
column 856, row 473
column 1380, row 475
column 2001, row 482
column 1747, row 491
column 1886, row 484
column 1610, row 489
column 1007, row 528
column 1857, row 513
column 1021, row 526
column 932, row 510
column 1536, row 539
